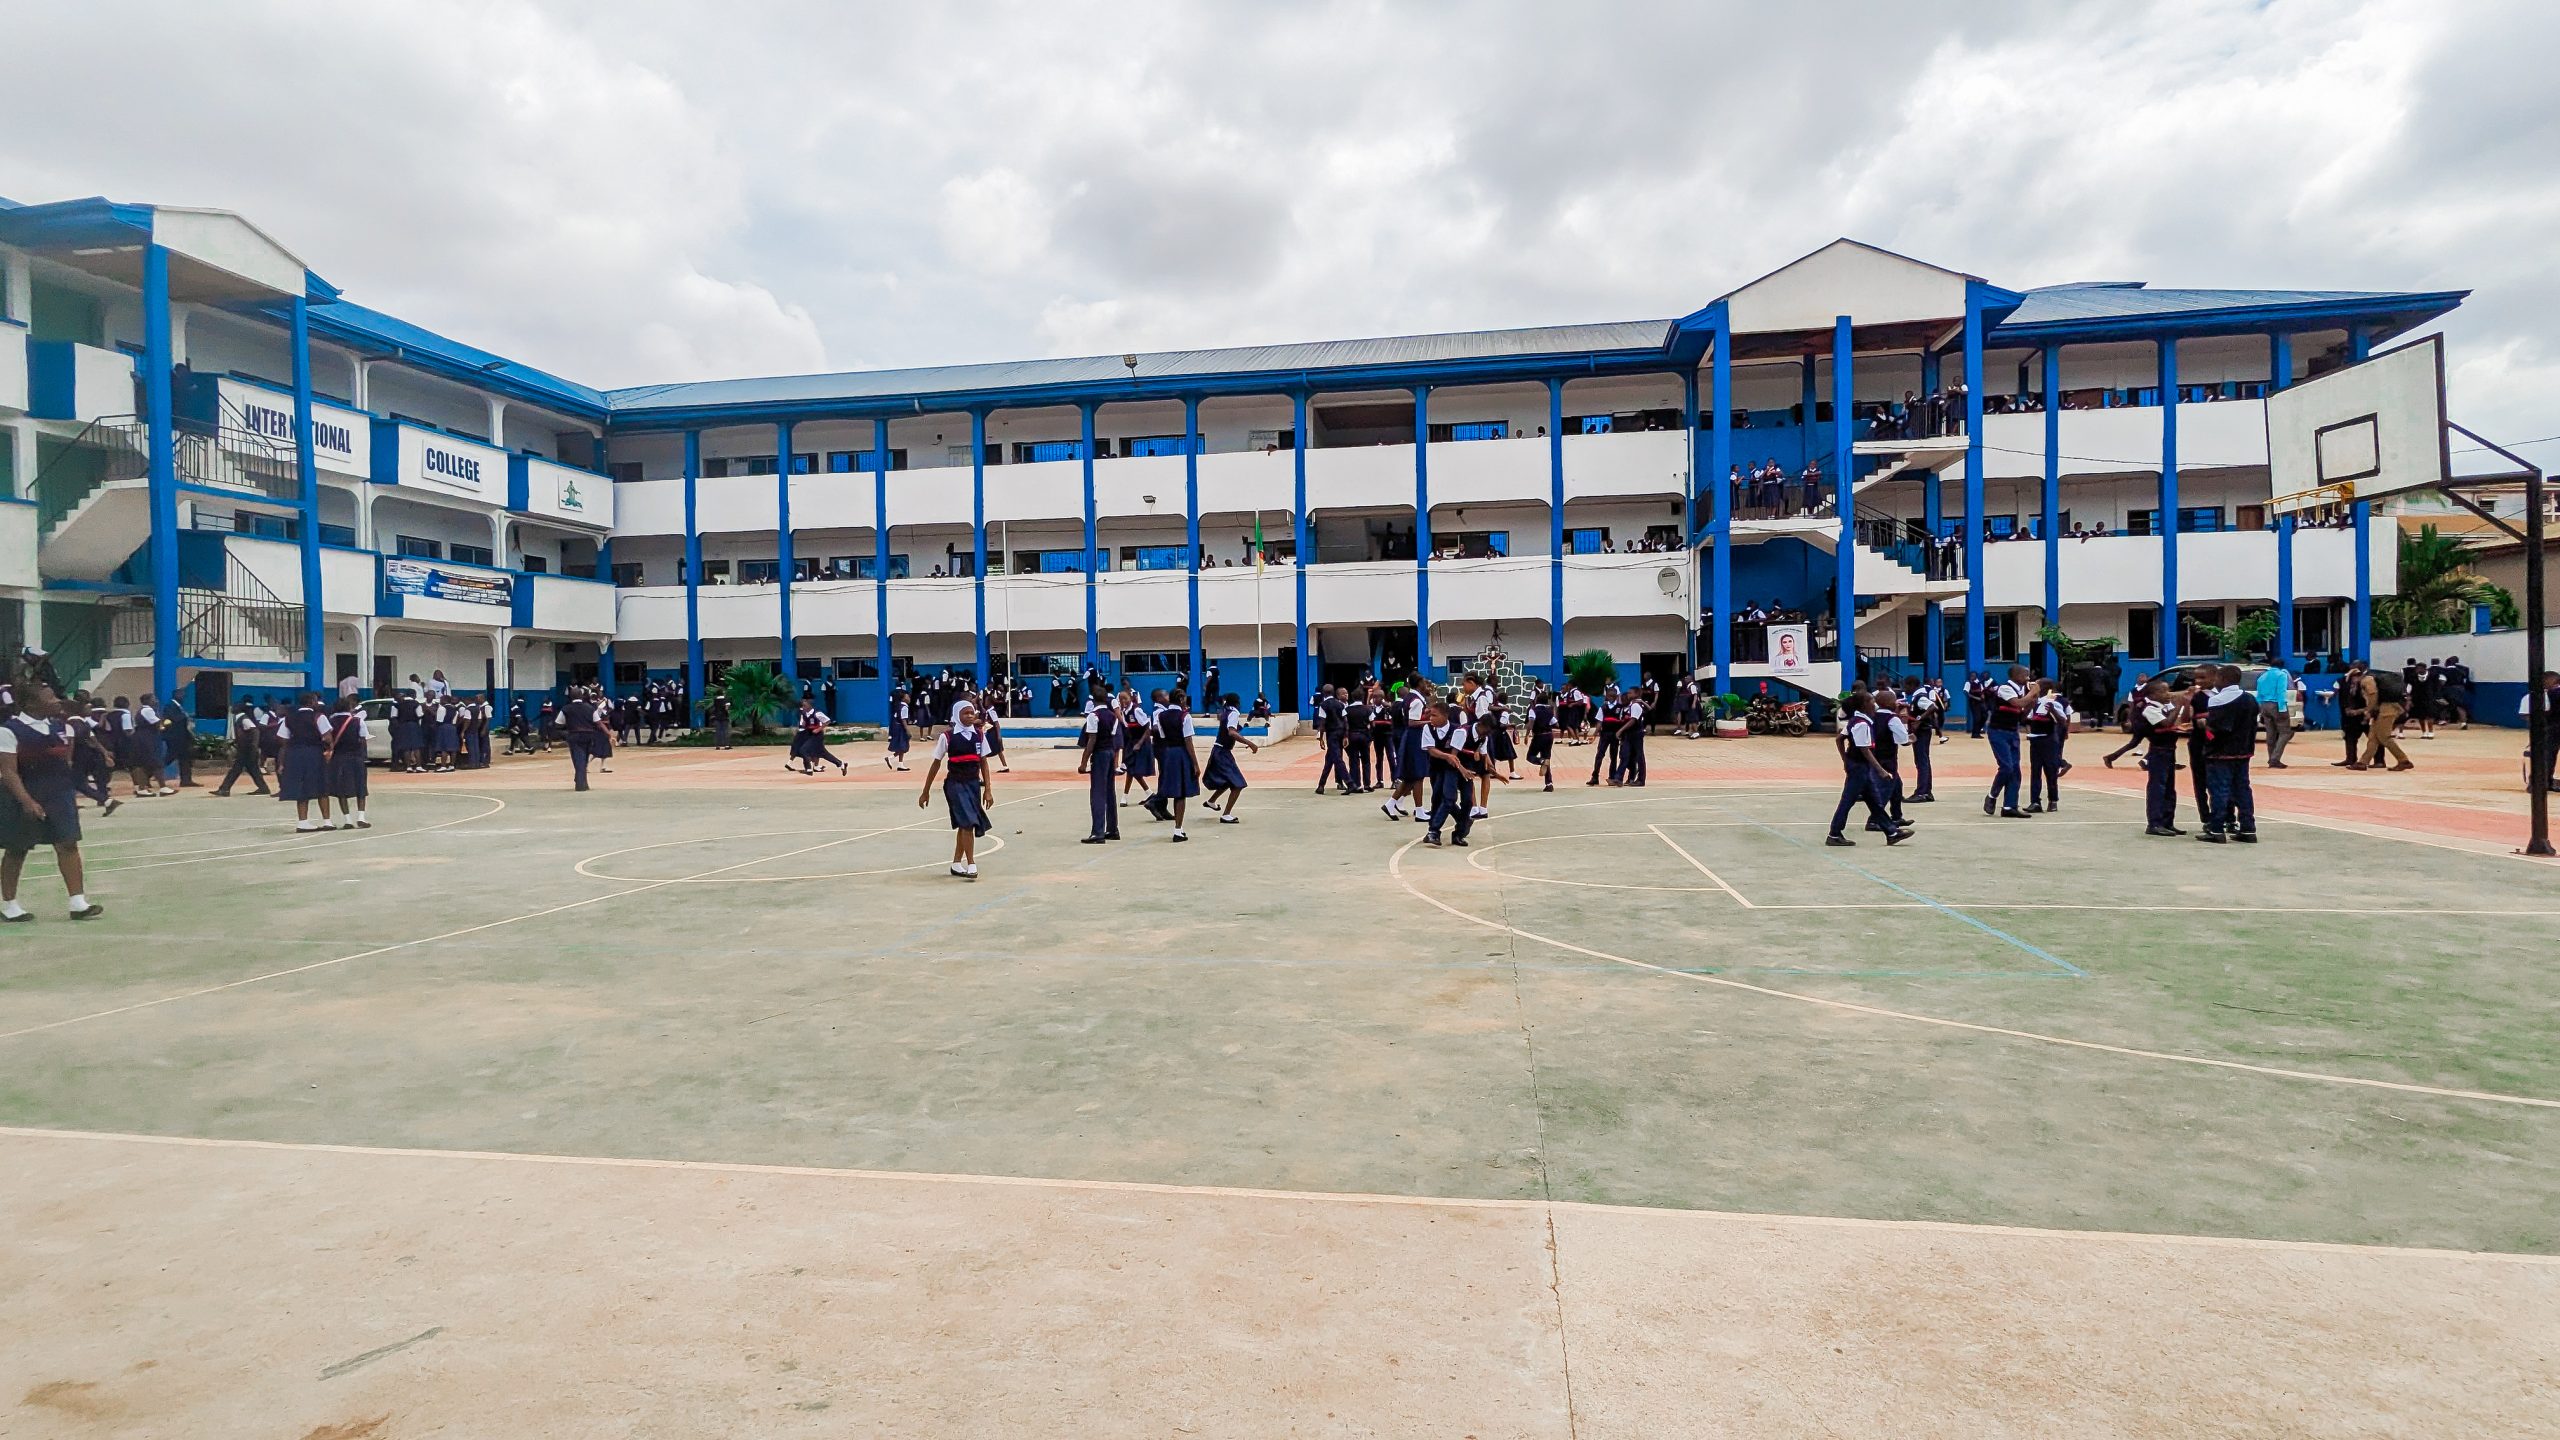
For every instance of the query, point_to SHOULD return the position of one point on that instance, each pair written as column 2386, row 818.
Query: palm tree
column 1593, row 670
column 757, row 690
column 2437, row 590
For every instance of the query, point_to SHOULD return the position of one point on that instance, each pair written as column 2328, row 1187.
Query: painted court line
column 295, row 842
column 1395, row 868
column 451, row 934
column 1949, row 911
column 1677, row 849
column 1244, row 1192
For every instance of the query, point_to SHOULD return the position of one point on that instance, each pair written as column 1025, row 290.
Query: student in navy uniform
column 716, row 709
column 967, row 793
column 1542, row 738
column 809, row 740
column 1177, row 765
column 1333, row 723
column 2158, row 723
column 578, row 724
column 1413, row 764
column 407, row 737
column 93, row 769
column 1928, row 724
column 1449, row 748
column 1223, row 777
column 605, row 710
column 1863, row 777
column 1379, row 764
column 1099, row 758
column 992, row 727
column 42, row 805
column 900, row 741
column 1355, row 738
column 1138, row 747
column 248, row 753
column 343, row 762
column 1892, row 737
column 2003, row 709
column 1634, row 718
column 178, row 743
column 1604, row 754
column 2048, row 721
column 2230, row 726
column 301, row 778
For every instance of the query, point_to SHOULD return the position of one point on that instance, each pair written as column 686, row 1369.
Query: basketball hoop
column 2319, row 497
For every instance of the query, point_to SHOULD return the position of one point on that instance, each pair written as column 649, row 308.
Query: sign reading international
column 434, row 582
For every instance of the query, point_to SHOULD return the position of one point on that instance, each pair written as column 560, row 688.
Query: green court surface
column 1675, row 998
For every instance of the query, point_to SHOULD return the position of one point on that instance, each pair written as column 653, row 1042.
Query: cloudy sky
column 648, row 190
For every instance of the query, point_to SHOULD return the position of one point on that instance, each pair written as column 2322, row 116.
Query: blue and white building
column 202, row 435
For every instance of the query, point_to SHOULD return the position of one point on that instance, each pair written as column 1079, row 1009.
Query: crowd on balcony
column 1767, row 492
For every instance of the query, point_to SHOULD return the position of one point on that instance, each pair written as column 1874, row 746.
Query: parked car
column 377, row 731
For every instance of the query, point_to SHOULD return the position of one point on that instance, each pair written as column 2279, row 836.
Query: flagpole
column 1262, row 687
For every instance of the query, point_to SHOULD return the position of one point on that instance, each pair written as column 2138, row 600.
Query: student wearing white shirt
column 40, row 805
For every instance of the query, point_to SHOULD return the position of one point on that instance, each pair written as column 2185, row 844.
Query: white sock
column 78, row 903
column 12, row 909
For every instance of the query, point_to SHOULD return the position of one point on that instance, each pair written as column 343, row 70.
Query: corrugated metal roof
column 1618, row 336
column 2115, row 300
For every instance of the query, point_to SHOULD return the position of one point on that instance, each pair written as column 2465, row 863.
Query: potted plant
column 1729, row 722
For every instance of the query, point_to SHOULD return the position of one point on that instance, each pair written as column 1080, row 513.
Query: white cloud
column 649, row 190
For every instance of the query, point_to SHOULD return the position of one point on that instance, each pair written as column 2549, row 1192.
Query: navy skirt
column 1499, row 745
column 1140, row 760
column 1223, row 774
column 898, row 741
column 347, row 771
column 20, row 831
column 805, row 745
column 1176, row 780
column 448, row 738
column 299, row 777
column 1409, row 758
column 964, row 796
column 145, row 750
column 404, row 736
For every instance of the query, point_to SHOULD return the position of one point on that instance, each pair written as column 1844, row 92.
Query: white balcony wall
column 1037, row 602
column 935, row 496
column 350, row 583
column 275, row 564
column 1487, row 472
column 1881, row 574
column 832, row 502
column 1120, row 488
column 2223, row 433
column 563, row 602
column 457, row 612
column 1371, row 592
column 1143, row 599
column 920, row 607
column 1248, row 480
column 2230, row 565
column 653, row 613
column 2106, row 442
column 1512, row 588
column 736, row 612
column 835, row 607
column 1228, row 596
column 569, row 494
column 18, row 545
column 649, row 507
column 13, row 367
column 731, row 503
column 1625, row 585
column 1640, row 462
column 101, row 383
column 1361, row 477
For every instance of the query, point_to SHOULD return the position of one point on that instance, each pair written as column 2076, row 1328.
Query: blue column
column 1191, row 540
column 693, row 567
column 1805, row 449
column 315, row 604
column 1844, row 556
column 880, row 558
column 1933, row 624
column 1555, row 531
column 1422, row 529
column 787, row 562
column 1977, row 623
column 1305, row 540
column 156, row 362
column 1688, row 512
column 1092, row 555
column 2168, row 499
column 2279, row 376
column 2363, row 510
column 978, row 527
column 2052, row 501
column 1720, row 466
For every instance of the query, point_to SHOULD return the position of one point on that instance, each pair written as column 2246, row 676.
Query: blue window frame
column 867, row 567
column 1590, row 424
column 1155, row 557
column 1033, row 452
column 862, row 462
column 1142, row 445
column 1472, row 430
column 416, row 548
column 344, row 535
column 1589, row 541
column 2142, row 522
column 1154, row 662
column 2200, row 519
column 473, row 555
column 2000, row 527
column 1478, row 543
column 759, row 572
column 1061, row 562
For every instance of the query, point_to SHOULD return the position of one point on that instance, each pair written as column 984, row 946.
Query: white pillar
column 360, row 383
column 17, row 287
column 497, row 422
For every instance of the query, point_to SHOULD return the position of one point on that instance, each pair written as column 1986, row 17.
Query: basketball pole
column 2537, row 702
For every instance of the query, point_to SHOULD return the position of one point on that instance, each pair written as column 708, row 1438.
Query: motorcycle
column 1764, row 716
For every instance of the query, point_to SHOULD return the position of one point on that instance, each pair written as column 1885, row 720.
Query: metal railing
column 226, row 455
column 107, row 449
column 112, row 631
column 244, row 615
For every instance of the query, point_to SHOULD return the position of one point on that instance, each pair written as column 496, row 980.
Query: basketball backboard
column 2372, row 429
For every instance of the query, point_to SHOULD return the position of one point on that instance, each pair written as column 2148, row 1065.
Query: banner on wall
column 1791, row 649
column 434, row 582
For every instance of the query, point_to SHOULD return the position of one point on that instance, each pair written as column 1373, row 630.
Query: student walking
column 1177, row 768
column 966, row 793
column 1542, row 738
column 1138, row 747
column 900, row 740
column 583, row 731
column 301, row 777
column 1223, row 776
column 2006, row 704
column 248, row 753
column 2048, row 721
column 1100, row 760
column 343, row 763
column 1863, row 778
column 42, row 804
column 1449, row 748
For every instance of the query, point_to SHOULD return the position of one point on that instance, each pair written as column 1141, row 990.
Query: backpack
column 2389, row 687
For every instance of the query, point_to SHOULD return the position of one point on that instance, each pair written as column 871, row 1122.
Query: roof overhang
column 2381, row 317
column 215, row 256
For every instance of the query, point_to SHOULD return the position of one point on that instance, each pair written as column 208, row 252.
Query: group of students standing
column 318, row 753
column 1878, row 728
column 1148, row 746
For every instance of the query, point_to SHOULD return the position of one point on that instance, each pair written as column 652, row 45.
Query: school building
column 1919, row 465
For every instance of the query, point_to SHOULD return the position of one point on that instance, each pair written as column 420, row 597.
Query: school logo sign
column 570, row 499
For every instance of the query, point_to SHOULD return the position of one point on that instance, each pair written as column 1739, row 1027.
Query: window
column 1664, row 536
column 2142, row 522
column 534, row 565
column 716, row 468
column 1472, row 430
column 630, row 672
column 2192, row 639
column 810, row 669
column 715, row 572
column 1590, row 540
column 851, row 462
column 416, row 548
column 1999, row 527
column 857, row 667
column 758, row 572
column 626, row 573
column 804, row 567
column 867, row 567
column 2315, row 628
column 2142, row 634
column 1152, row 557
column 1476, row 544
column 1142, row 445
column 623, row 470
column 2200, row 519
column 473, row 555
column 1056, row 562
column 1271, row 439
column 266, row 527
column 1154, row 662
column 339, row 535
column 1589, row 424
column 753, row 465
column 1033, row 452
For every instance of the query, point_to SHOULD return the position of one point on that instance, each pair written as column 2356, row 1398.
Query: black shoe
column 1919, row 799
column 23, row 917
column 111, row 807
column 1991, row 805
column 1431, row 840
column 93, row 912
column 1461, row 844
column 1898, row 836
column 1091, row 840
column 2247, row 837
column 2015, row 815
column 1875, row 827
column 1839, row 840
column 2214, row 837
column 2035, row 807
column 2161, row 830
column 1114, row 835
